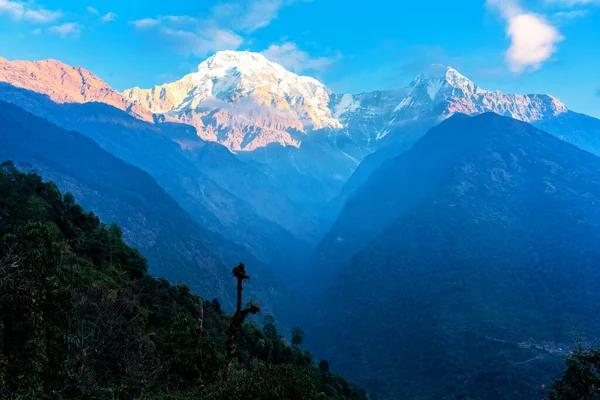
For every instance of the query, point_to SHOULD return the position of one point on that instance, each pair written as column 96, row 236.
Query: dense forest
column 81, row 318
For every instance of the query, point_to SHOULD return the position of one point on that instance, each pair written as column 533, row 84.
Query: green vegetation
column 581, row 380
column 81, row 318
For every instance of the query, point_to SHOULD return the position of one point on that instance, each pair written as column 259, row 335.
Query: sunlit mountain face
column 418, row 194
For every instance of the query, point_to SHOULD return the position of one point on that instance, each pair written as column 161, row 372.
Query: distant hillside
column 176, row 247
column 81, row 319
column 165, row 151
column 471, row 263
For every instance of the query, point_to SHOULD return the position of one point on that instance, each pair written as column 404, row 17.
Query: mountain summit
column 243, row 101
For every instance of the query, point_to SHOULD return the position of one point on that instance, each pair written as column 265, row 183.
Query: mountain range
column 291, row 128
column 306, row 137
column 431, row 237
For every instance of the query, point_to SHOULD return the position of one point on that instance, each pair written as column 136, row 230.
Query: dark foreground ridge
column 81, row 318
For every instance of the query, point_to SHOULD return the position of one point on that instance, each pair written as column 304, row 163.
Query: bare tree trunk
column 237, row 319
column 199, row 329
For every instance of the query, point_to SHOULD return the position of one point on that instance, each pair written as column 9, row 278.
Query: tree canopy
column 81, row 318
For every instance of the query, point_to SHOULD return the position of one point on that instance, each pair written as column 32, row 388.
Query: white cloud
column 69, row 29
column 42, row 16
column 145, row 23
column 294, row 59
column 12, row 9
column 201, row 42
column 533, row 42
column 108, row 17
column 533, row 39
column 92, row 10
column 27, row 12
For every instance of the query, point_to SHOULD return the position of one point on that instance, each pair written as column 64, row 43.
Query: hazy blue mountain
column 461, row 260
column 175, row 245
column 159, row 150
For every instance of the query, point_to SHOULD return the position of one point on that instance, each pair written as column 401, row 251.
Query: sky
column 515, row 46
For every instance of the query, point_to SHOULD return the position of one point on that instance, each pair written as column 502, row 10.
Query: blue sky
column 521, row 46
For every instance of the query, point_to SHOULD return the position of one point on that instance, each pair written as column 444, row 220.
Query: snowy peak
column 444, row 74
column 243, row 101
column 244, row 62
column 441, row 82
column 441, row 92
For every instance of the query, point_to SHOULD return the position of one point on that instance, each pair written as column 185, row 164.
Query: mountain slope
column 66, row 84
column 475, row 250
column 152, row 148
column 176, row 247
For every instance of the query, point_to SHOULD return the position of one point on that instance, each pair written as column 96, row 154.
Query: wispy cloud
column 533, row 38
column 92, row 10
column 66, row 30
column 222, row 28
column 201, row 42
column 19, row 11
column 568, row 10
column 145, row 23
column 573, row 3
column 252, row 15
column 163, row 20
column 566, row 16
column 294, row 59
column 108, row 17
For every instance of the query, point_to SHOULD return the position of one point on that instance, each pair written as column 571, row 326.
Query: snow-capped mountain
column 445, row 91
column 244, row 101
column 436, row 95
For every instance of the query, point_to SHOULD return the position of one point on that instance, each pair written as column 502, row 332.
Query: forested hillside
column 81, row 318
column 472, row 265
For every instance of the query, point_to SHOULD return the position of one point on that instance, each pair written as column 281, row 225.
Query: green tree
column 297, row 336
column 581, row 380
column 324, row 367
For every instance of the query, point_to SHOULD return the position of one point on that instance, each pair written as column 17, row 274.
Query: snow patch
column 347, row 104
